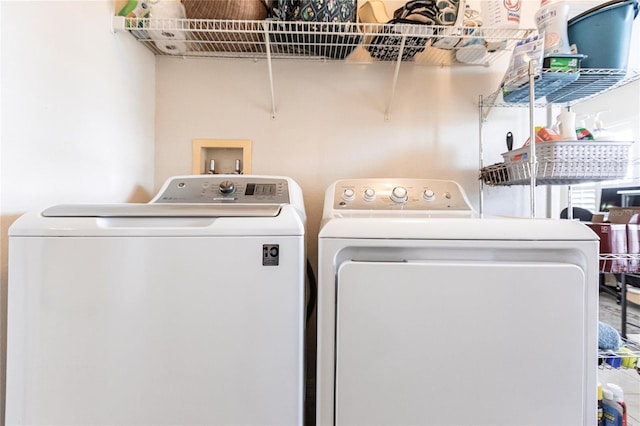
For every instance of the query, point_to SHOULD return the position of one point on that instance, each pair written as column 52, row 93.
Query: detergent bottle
column 501, row 13
column 567, row 125
column 551, row 19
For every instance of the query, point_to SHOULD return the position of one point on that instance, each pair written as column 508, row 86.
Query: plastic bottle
column 599, row 131
column 618, row 397
column 551, row 20
column 611, row 411
column 567, row 125
column 582, row 133
column 501, row 13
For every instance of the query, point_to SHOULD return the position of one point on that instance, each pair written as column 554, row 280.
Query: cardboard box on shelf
column 633, row 247
column 623, row 214
column 633, row 295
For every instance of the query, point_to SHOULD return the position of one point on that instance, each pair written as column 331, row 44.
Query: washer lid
column 163, row 210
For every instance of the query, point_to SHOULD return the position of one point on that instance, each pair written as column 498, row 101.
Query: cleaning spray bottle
column 611, row 411
column 582, row 132
column 551, row 19
column 599, row 131
column 618, row 397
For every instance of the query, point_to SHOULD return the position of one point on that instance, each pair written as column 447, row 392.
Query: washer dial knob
column 369, row 194
column 227, row 187
column 399, row 194
column 348, row 194
column 429, row 195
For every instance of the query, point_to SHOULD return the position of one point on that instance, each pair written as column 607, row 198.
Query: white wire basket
column 562, row 163
column 626, row 357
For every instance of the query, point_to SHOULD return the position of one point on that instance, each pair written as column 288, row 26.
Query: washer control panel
column 212, row 189
column 399, row 194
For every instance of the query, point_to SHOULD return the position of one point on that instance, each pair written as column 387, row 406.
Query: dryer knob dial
column 348, row 194
column 227, row 187
column 369, row 194
column 429, row 195
column 398, row 194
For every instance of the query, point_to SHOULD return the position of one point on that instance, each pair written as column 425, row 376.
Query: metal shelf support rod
column 533, row 170
column 395, row 77
column 265, row 26
column 481, row 153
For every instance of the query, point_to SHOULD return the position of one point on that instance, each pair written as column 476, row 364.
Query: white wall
column 77, row 118
column 330, row 120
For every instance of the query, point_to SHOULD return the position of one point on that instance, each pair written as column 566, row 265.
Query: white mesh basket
column 569, row 162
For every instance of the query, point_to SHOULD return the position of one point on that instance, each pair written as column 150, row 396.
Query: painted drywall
column 77, row 118
column 330, row 120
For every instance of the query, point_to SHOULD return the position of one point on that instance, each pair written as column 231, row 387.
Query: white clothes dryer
column 186, row 310
column 430, row 315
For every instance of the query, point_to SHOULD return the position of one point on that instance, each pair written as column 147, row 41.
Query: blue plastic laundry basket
column 604, row 34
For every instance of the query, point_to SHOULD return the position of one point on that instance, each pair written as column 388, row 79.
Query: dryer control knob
column 227, row 187
column 348, row 194
column 369, row 194
column 429, row 195
column 398, row 194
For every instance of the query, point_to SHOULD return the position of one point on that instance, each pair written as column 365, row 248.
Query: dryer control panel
column 213, row 189
column 398, row 195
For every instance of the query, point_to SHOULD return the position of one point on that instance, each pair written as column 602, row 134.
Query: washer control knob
column 429, row 195
column 369, row 194
column 348, row 194
column 447, row 195
column 399, row 194
column 227, row 187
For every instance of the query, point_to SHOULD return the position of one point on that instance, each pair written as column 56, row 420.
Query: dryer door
column 497, row 343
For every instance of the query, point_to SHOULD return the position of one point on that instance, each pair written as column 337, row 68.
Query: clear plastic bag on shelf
column 524, row 53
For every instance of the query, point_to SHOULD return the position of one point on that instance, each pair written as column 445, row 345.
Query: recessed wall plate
column 221, row 156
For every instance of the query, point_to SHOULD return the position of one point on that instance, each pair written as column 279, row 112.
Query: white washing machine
column 428, row 314
column 186, row 310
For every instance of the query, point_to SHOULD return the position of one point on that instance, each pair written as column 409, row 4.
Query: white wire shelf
column 589, row 83
column 355, row 42
column 625, row 358
column 620, row 263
